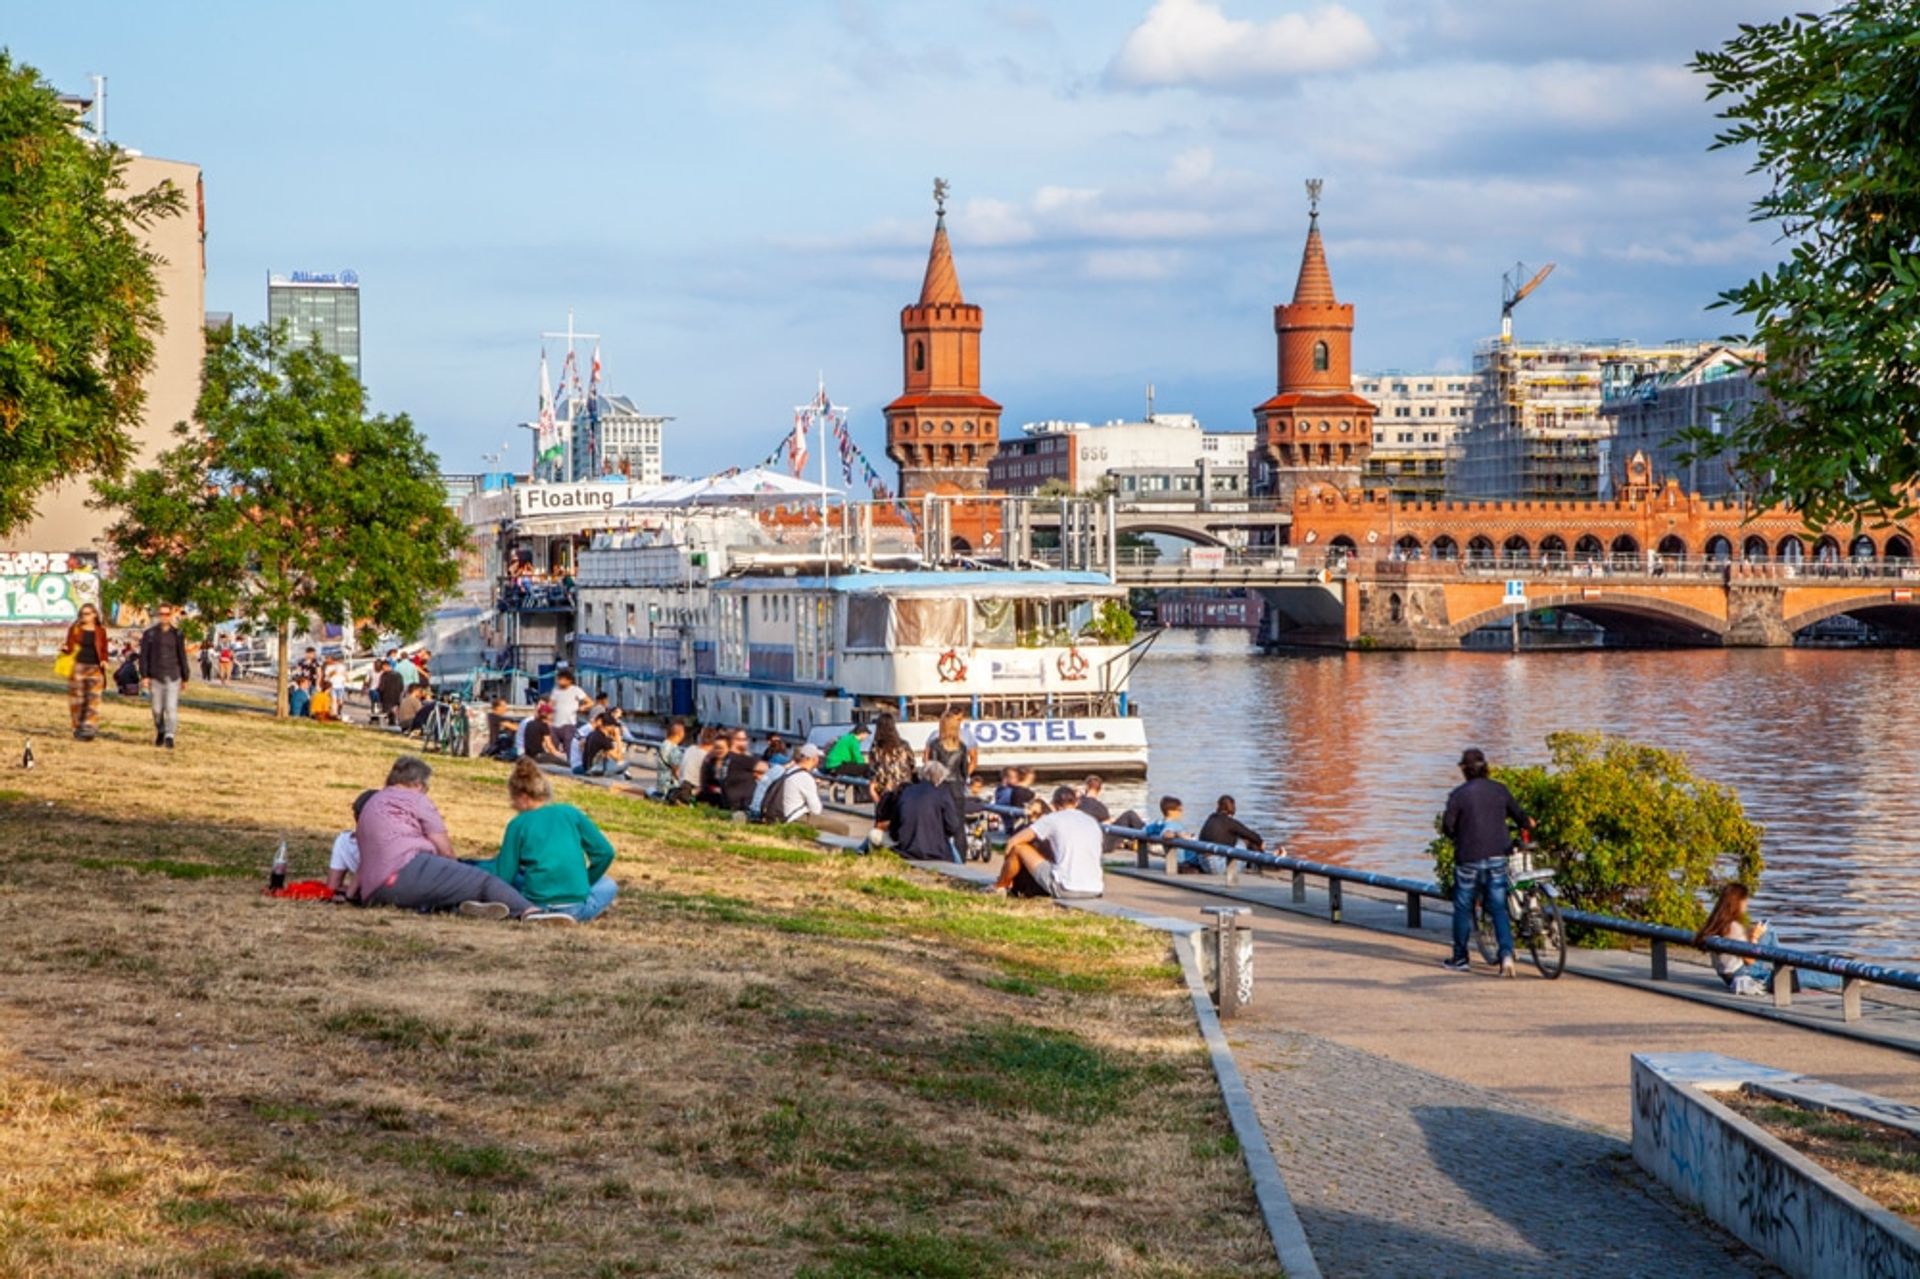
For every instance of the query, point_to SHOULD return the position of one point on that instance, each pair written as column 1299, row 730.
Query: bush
column 1629, row 829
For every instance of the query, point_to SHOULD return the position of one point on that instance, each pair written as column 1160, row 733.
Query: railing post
column 1850, row 998
column 1333, row 900
column 1140, row 855
column 1171, row 860
column 1413, row 910
column 1782, row 986
column 1299, row 887
column 1658, row 959
column 1233, row 872
column 1232, row 944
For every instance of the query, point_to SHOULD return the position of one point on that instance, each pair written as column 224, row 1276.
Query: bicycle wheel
column 1483, row 935
column 1547, row 935
column 456, row 741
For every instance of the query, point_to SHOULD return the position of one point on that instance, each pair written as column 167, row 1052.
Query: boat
column 753, row 618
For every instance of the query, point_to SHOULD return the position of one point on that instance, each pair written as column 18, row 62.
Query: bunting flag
column 594, row 461
column 547, row 426
column 797, row 444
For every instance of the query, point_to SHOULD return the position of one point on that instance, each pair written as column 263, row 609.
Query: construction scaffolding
column 1535, row 431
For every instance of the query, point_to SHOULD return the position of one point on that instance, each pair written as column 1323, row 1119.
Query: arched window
column 1396, row 610
column 1673, row 545
column 1552, row 549
column 1319, row 357
column 1516, row 550
column 919, row 356
column 1588, row 549
column 1792, row 550
column 1719, row 549
column 1444, row 548
column 1862, row 548
column 1754, row 549
column 1626, row 550
column 1899, row 548
column 1480, row 550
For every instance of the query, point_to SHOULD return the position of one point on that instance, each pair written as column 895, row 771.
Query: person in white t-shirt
column 1057, row 856
column 345, row 860
column 567, row 700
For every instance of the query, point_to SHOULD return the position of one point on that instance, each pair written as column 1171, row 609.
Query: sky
column 737, row 195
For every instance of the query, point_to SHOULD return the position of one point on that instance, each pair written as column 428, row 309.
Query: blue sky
column 737, row 194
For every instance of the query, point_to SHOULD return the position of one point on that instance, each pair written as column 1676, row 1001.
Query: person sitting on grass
column 794, row 795
column 537, row 742
column 320, row 706
column 406, row 859
column 300, row 698
column 344, row 863
column 1058, row 856
column 500, row 731
column 604, row 750
column 553, row 853
column 409, row 710
column 666, row 778
column 920, row 818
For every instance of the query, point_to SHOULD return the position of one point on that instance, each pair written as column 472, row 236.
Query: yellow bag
column 63, row 666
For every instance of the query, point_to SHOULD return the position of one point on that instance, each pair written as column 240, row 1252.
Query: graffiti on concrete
column 1767, row 1193
column 42, row 587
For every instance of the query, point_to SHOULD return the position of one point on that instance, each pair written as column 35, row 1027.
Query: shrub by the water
column 1629, row 829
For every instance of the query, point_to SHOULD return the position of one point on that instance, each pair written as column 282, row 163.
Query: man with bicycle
column 1476, row 819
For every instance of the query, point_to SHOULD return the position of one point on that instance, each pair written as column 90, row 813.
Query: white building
column 1413, row 433
column 1169, row 454
column 628, row 441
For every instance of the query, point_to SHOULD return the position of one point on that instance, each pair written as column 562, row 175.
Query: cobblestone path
column 1397, row 1173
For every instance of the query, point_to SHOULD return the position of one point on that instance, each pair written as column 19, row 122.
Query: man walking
column 163, row 669
column 1476, row 820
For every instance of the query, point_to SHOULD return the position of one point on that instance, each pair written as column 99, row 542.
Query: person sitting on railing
column 1011, row 793
column 1070, row 865
column 1222, row 827
column 1728, row 919
column 847, row 757
column 1090, row 802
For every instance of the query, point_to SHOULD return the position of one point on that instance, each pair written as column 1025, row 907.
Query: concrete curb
column 1290, row 1247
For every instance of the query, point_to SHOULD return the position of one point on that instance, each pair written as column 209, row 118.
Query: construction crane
column 1512, row 293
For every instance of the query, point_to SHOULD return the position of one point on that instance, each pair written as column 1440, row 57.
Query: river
column 1347, row 757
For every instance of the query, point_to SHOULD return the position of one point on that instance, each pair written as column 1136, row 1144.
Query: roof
column 1317, row 400
column 975, row 581
column 942, row 282
column 1316, row 282
column 944, row 400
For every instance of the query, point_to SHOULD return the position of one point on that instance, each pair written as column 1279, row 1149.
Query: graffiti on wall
column 43, row 587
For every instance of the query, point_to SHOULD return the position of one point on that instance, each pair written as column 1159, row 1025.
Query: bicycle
column 445, row 729
column 1535, row 912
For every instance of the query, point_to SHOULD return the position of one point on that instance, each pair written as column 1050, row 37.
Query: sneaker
column 548, row 917
column 1506, row 966
column 1457, row 965
column 484, row 910
column 159, row 737
column 169, row 742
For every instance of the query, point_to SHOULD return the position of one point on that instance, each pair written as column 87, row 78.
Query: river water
column 1347, row 757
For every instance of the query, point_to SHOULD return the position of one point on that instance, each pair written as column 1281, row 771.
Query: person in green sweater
column 847, row 756
column 553, row 853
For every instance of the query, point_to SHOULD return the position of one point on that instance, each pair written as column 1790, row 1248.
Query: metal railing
column 1854, row 973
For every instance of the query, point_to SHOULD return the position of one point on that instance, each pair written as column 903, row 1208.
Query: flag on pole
column 797, row 443
column 593, row 413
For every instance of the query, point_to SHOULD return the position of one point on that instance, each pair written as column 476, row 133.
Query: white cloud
column 1194, row 43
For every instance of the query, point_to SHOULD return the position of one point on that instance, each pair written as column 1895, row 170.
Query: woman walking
column 90, row 649
column 226, row 663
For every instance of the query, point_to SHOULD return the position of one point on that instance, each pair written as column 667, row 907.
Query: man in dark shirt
column 163, row 670
column 540, row 745
column 392, row 687
column 1476, row 820
column 1090, row 802
column 1222, row 827
column 925, row 822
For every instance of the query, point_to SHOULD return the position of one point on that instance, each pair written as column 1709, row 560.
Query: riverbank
column 764, row 1060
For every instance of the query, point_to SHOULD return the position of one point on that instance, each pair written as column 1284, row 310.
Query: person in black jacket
column 392, row 687
column 1476, row 820
column 1222, row 827
column 925, row 822
column 163, row 670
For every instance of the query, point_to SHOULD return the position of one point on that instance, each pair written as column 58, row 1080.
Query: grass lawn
column 255, row 694
column 764, row 1060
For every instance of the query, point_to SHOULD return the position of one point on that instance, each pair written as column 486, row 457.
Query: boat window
column 1050, row 623
column 930, row 623
column 993, row 623
column 867, row 621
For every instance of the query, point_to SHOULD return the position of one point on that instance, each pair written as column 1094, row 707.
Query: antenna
column 1149, row 401
column 99, row 106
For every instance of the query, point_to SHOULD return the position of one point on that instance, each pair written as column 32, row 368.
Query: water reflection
column 1347, row 757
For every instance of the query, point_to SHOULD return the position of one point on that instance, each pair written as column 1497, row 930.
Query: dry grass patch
column 764, row 1060
column 1881, row 1162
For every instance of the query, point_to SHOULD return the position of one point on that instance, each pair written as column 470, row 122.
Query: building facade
column 942, row 432
column 319, row 304
column 1413, row 432
column 1715, row 392
column 1168, row 455
column 1314, row 430
column 172, row 386
column 624, row 441
column 1535, row 431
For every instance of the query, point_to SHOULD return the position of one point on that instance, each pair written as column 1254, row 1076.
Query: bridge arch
column 1187, row 533
column 1671, row 622
column 1876, row 609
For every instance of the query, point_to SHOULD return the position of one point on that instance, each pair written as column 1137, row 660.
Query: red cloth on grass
column 306, row 890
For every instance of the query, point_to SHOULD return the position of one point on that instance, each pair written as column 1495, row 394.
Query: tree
column 284, row 500
column 79, row 300
column 1630, row 830
column 1831, row 103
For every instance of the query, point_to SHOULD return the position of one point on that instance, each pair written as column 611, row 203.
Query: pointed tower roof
column 942, row 283
column 1315, row 284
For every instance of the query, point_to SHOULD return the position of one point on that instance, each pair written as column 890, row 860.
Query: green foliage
column 1629, row 830
column 285, row 500
column 79, row 301
column 1111, row 624
column 1831, row 104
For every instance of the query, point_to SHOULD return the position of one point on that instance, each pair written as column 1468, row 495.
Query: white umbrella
column 743, row 485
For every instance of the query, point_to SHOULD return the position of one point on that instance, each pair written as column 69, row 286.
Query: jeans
column 166, row 705
column 599, row 897
column 1486, row 879
column 1810, row 978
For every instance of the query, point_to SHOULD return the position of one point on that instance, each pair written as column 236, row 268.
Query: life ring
column 1072, row 664
column 952, row 667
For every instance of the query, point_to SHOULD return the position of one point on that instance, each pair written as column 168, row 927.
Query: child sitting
column 345, row 861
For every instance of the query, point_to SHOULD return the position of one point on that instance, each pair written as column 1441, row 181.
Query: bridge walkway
column 1435, row 1124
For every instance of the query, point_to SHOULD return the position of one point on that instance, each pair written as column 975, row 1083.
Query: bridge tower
column 941, row 431
column 1314, row 430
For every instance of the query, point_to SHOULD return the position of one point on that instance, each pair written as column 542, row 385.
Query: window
column 1319, row 357
column 919, row 357
column 1403, row 411
column 1426, row 386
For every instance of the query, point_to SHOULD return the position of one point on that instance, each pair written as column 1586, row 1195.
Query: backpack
column 773, row 803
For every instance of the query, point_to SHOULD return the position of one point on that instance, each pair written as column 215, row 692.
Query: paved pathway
column 1398, row 1172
